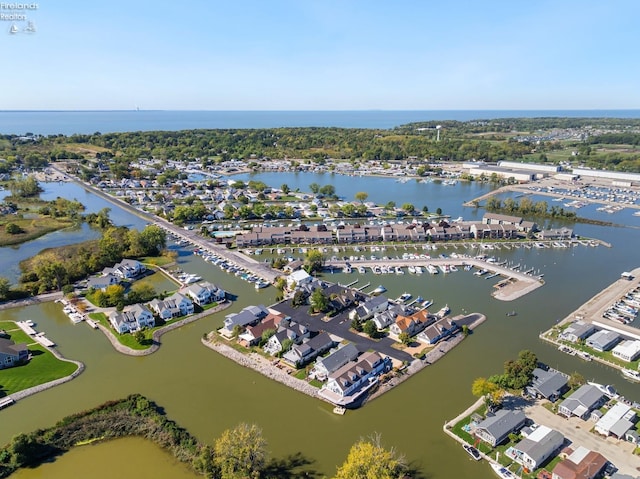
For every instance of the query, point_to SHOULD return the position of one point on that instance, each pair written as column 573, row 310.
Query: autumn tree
column 319, row 301
column 368, row 459
column 361, row 196
column 313, row 261
column 241, row 452
column 5, row 286
column 490, row 391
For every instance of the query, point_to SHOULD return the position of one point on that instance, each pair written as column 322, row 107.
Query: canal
column 207, row 393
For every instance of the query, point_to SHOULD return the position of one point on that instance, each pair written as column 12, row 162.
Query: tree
column 439, row 211
column 319, row 301
column 313, row 261
column 404, row 338
column 328, row 190
column 370, row 329
column 576, row 380
column 285, row 188
column 315, row 188
column 241, row 452
column 5, row 286
column 491, row 392
column 408, row 208
column 299, row 298
column 12, row 229
column 367, row 459
column 139, row 336
column 361, row 196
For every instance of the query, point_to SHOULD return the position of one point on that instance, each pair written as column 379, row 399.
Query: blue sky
column 323, row 55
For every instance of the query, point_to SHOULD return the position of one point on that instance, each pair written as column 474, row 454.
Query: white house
column 127, row 269
column 205, row 293
column 298, row 277
column 617, row 421
column 628, row 350
column 535, row 449
column 131, row 319
column 102, row 282
column 344, row 385
column 175, row 305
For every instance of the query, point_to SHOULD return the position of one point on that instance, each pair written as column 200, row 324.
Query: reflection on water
column 126, row 458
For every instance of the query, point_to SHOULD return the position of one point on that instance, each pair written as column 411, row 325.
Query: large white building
column 530, row 166
column 611, row 175
column 518, row 175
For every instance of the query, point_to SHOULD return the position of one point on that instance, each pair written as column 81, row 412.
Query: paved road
column 339, row 325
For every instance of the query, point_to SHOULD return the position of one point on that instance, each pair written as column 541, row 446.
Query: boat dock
column 516, row 284
column 26, row 326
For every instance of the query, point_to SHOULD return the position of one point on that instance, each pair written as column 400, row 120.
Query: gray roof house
column 582, row 402
column 300, row 354
column 102, row 282
column 12, row 353
column 334, row 361
column 603, row 340
column 373, row 305
column 535, row 449
column 248, row 315
column 548, row 384
column 496, row 427
column 577, row 330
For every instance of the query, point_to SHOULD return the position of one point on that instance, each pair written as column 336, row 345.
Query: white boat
column 379, row 290
column 445, row 268
column 405, row 297
column 339, row 410
column 443, row 311
column 261, row 284
column 631, row 375
column 432, row 269
column 398, row 270
column 418, row 269
column 361, row 270
column 472, row 451
column 427, row 303
column 502, row 471
column 411, row 269
column 606, row 389
column 481, row 272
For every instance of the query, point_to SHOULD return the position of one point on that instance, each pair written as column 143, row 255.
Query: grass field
column 43, row 366
column 31, row 227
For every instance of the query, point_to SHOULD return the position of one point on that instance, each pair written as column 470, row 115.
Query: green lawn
column 43, row 366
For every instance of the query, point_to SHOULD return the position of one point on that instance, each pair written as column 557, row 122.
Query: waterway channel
column 207, row 393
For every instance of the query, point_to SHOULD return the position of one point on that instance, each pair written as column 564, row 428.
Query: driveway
column 578, row 432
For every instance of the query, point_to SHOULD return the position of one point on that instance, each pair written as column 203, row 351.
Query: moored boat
column 379, row 290
column 631, row 375
column 472, row 451
column 502, row 471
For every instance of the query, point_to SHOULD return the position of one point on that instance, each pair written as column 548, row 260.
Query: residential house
column 441, row 329
column 548, row 384
column 496, row 427
column 603, row 340
column 411, row 325
column 300, row 354
column 582, row 402
column 102, row 282
column 577, row 330
column 288, row 330
column 628, row 350
column 536, row 448
column 563, row 233
column 253, row 334
column 617, row 421
column 131, row 319
column 175, row 305
column 12, row 353
column 371, row 306
column 498, row 219
column 205, row 293
column 385, row 318
column 580, row 464
column 127, row 269
column 344, row 384
column 249, row 315
column 298, row 278
column 332, row 362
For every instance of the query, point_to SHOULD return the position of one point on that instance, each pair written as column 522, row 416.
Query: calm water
column 88, row 122
column 207, row 393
